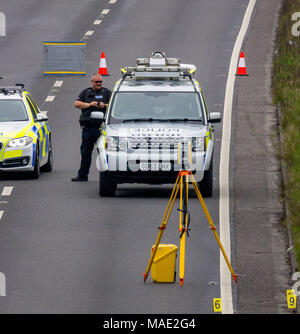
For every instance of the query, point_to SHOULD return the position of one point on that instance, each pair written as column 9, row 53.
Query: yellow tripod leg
column 213, row 228
column 181, row 228
column 163, row 225
column 182, row 239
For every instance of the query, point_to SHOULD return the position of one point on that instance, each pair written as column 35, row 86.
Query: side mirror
column 97, row 115
column 41, row 117
column 214, row 117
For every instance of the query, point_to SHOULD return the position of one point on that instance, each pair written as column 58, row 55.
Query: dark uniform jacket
column 88, row 95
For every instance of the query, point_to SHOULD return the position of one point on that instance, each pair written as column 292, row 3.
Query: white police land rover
column 156, row 125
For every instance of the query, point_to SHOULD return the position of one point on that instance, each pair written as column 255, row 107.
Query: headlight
column 115, row 144
column 199, row 144
column 20, row 142
column 111, row 143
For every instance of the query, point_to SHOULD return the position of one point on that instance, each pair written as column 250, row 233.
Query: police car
column 25, row 135
column 157, row 124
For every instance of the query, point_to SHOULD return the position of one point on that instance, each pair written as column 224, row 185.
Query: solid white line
column 1, row 214
column 105, row 11
column 224, row 215
column 58, row 83
column 7, row 191
column 50, row 98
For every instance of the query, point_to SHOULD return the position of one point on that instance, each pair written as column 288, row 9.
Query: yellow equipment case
column 164, row 264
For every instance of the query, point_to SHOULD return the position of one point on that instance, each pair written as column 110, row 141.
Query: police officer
column 94, row 98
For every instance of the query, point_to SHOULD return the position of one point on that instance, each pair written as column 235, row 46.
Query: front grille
column 160, row 143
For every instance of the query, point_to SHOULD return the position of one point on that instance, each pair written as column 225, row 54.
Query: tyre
column 49, row 165
column 206, row 185
column 107, row 187
column 36, row 172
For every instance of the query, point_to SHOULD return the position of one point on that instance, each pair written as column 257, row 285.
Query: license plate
column 155, row 166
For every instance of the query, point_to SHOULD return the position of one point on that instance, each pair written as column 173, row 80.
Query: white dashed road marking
column 58, row 83
column 50, row 98
column 89, row 33
column 7, row 191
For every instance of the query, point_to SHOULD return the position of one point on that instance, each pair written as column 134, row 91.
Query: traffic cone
column 102, row 65
column 242, row 65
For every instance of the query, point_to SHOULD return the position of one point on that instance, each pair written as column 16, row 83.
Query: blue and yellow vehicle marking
column 33, row 154
column 38, row 131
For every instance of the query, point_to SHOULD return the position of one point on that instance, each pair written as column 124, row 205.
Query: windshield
column 156, row 106
column 12, row 110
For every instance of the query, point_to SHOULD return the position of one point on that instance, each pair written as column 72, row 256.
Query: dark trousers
column 89, row 138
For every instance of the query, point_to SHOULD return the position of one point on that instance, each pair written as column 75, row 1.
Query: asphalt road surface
column 63, row 249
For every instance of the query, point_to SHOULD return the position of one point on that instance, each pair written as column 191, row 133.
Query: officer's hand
column 101, row 105
column 94, row 104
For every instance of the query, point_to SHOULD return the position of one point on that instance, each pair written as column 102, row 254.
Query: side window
column 33, row 112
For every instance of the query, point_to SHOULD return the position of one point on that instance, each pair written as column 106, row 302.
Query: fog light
column 25, row 161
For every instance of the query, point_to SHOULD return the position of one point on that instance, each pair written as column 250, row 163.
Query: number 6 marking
column 217, row 305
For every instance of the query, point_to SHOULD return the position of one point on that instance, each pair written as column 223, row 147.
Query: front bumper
column 155, row 168
column 17, row 159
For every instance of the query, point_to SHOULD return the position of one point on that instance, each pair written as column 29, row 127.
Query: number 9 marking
column 291, row 299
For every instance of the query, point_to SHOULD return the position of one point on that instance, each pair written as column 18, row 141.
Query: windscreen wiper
column 141, row 120
column 181, row 120
column 162, row 120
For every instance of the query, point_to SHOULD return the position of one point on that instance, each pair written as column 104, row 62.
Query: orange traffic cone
column 102, row 65
column 242, row 65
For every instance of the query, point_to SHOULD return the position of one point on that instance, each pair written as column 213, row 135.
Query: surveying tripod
column 182, row 183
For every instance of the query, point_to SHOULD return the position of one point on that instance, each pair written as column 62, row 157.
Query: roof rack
column 9, row 90
column 158, row 66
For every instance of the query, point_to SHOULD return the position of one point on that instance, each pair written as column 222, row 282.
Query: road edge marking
column 224, row 214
